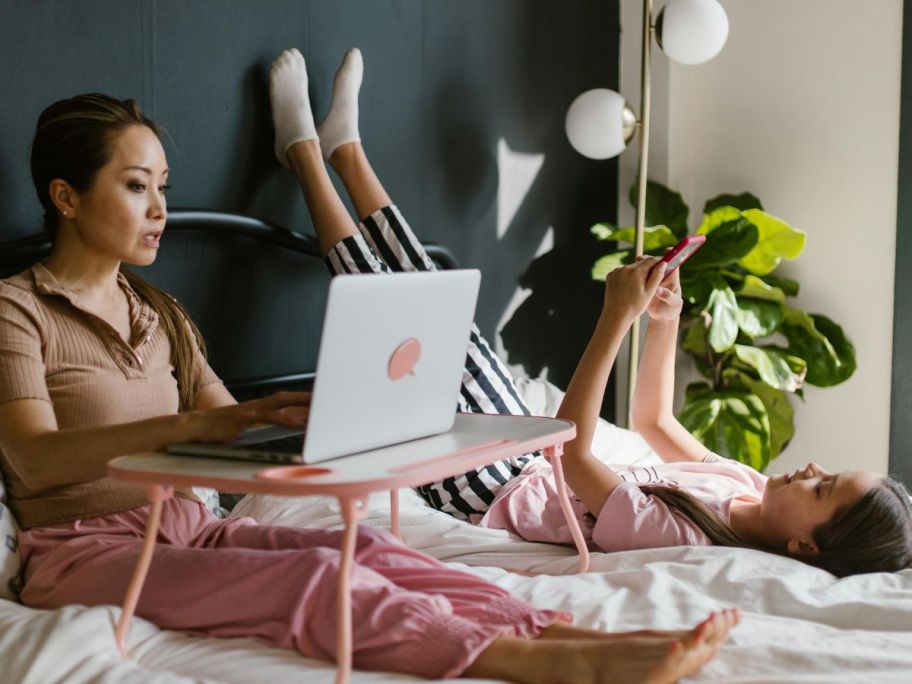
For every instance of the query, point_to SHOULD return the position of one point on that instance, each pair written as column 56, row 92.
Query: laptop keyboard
column 293, row 444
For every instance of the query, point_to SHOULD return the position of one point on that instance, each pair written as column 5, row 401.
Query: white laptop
column 389, row 368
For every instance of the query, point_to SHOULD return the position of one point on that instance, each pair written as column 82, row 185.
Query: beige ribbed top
column 53, row 349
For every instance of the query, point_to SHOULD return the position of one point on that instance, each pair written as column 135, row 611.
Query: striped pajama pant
column 386, row 244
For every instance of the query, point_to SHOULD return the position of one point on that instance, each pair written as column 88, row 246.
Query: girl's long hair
column 73, row 142
column 874, row 534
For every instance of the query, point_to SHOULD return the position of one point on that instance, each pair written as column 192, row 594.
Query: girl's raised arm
column 627, row 292
column 652, row 411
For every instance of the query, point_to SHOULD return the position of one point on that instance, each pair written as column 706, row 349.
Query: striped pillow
column 10, row 558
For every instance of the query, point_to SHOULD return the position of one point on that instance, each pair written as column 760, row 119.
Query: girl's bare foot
column 650, row 659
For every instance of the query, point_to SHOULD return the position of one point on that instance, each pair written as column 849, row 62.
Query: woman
column 95, row 363
column 847, row 523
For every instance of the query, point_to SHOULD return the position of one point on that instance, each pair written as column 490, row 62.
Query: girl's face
column 796, row 503
column 123, row 214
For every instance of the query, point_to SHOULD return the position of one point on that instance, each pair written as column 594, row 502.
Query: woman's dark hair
column 874, row 534
column 73, row 141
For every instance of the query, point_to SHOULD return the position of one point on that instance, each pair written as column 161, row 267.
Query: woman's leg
column 629, row 660
column 287, row 596
column 535, row 647
column 277, row 586
column 470, row 597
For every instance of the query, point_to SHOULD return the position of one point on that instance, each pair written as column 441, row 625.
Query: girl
column 95, row 363
column 865, row 528
column 847, row 523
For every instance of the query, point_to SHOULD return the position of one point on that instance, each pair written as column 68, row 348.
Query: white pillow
column 10, row 558
column 210, row 499
column 610, row 444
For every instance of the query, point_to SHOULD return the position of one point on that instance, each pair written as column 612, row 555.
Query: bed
column 799, row 623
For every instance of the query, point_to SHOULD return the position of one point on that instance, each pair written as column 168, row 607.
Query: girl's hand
column 667, row 303
column 289, row 409
column 629, row 289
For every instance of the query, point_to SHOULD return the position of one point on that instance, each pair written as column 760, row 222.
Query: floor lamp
column 599, row 123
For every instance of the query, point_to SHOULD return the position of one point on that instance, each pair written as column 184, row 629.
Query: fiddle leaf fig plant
column 752, row 346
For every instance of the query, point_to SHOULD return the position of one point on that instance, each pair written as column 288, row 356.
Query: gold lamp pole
column 643, row 163
column 599, row 123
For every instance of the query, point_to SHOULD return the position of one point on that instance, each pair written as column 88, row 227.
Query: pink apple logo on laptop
column 403, row 360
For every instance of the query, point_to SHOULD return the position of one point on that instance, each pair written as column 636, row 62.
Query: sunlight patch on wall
column 516, row 171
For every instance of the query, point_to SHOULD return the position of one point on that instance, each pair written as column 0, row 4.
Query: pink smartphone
column 682, row 251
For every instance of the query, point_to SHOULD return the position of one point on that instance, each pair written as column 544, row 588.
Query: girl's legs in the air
column 381, row 243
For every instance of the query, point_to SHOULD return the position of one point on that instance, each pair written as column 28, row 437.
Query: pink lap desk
column 475, row 440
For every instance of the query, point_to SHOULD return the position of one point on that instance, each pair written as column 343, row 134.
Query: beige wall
column 802, row 109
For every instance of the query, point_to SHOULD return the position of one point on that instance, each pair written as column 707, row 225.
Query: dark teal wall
column 901, row 393
column 444, row 81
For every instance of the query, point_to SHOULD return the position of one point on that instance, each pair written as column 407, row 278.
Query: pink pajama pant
column 233, row 577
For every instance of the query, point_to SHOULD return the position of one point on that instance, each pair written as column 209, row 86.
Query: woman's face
column 796, row 503
column 123, row 214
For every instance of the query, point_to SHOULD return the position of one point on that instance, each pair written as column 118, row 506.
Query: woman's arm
column 652, row 413
column 213, row 396
column 45, row 456
column 627, row 292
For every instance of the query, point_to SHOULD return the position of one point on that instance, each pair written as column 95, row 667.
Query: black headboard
column 256, row 291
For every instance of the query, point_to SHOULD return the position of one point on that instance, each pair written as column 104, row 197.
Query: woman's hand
column 630, row 289
column 667, row 302
column 289, row 409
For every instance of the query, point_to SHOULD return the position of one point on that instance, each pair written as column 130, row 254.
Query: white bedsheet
column 799, row 624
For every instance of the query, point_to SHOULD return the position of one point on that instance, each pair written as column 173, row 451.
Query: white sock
column 291, row 114
column 341, row 124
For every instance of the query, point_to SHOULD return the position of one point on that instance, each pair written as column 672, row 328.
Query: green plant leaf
column 787, row 285
column 704, row 368
column 743, row 201
column 829, row 354
column 610, row 262
column 696, row 286
column 725, row 244
column 697, row 390
column 776, row 240
column 731, row 423
column 694, row 340
column 845, row 350
column 758, row 318
column 770, row 365
column 718, row 217
column 778, row 408
column 664, row 207
column 603, row 231
column 654, row 237
column 723, row 311
column 756, row 288
column 796, row 363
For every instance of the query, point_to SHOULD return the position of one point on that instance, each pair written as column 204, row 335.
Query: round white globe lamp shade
column 598, row 124
column 692, row 31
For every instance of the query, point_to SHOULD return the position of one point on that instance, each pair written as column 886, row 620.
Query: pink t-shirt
column 629, row 519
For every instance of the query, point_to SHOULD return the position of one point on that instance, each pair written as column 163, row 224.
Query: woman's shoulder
column 18, row 292
column 23, row 281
